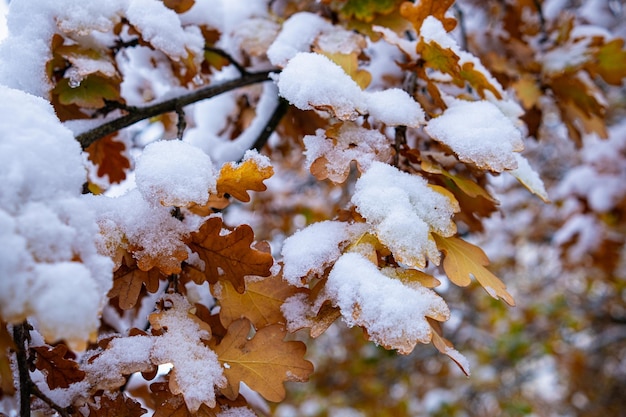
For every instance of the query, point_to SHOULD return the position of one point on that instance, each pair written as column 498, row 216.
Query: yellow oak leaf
column 462, row 260
column 527, row 90
column 229, row 257
column 444, row 346
column 440, row 59
column 478, row 80
column 263, row 362
column 416, row 13
column 237, row 179
column 260, row 303
column 350, row 64
column 610, row 62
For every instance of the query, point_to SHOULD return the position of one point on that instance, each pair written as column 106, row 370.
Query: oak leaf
column 350, row 64
column 179, row 6
column 367, row 10
column 229, row 257
column 444, row 346
column 478, row 80
column 6, row 373
column 56, row 365
column 440, row 59
column 118, row 406
column 237, row 179
column 110, row 157
column 128, row 281
column 260, row 303
column 416, row 13
column 462, row 260
column 610, row 62
column 173, row 405
column 264, row 362
column 90, row 94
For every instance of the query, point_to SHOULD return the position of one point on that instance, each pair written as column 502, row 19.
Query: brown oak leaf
column 128, row 281
column 117, row 406
column 264, row 362
column 56, row 365
column 260, row 303
column 110, row 157
column 229, row 257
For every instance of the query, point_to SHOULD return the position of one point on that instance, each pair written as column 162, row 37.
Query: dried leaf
column 264, row 362
column 416, row 13
column 237, row 179
column 128, row 281
column 610, row 62
column 478, row 80
column 440, row 59
column 444, row 346
column 462, row 260
column 260, row 303
column 6, row 373
column 350, row 64
column 60, row 371
column 527, row 90
column 110, row 157
column 170, row 405
column 179, row 6
column 229, row 257
column 118, row 406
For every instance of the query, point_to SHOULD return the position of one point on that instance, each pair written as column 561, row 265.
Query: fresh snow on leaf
column 369, row 298
column 311, row 250
column 529, row 178
column 403, row 211
column 312, row 81
column 297, row 34
column 47, row 232
column 479, row 133
column 174, row 173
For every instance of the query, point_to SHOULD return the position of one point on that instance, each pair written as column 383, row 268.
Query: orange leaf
column 463, row 260
column 179, row 6
column 416, row 13
column 237, row 179
column 60, row 371
column 444, row 346
column 260, row 303
column 440, row 59
column 110, row 157
column 6, row 373
column 610, row 62
column 264, row 362
column 229, row 257
column 128, row 280
column 117, row 406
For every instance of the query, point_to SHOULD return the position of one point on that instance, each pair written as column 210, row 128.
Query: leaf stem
column 136, row 114
column 271, row 124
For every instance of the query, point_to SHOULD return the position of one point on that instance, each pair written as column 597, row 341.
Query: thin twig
column 462, row 28
column 19, row 336
column 136, row 114
column 181, row 124
column 400, row 140
column 273, row 121
column 542, row 21
column 229, row 57
column 37, row 393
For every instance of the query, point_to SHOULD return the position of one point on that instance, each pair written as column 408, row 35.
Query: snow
column 529, row 177
column 403, row 210
column 197, row 371
column 312, row 81
column 479, row 133
column 350, row 143
column 311, row 250
column 329, row 88
column 297, row 34
column 48, row 231
column 368, row 297
column 174, row 173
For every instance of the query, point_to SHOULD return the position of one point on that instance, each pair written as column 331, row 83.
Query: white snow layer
column 367, row 297
column 479, row 133
column 404, row 210
column 49, row 266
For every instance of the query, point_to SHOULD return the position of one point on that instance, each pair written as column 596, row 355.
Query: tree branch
column 136, row 114
column 20, row 333
column 273, row 121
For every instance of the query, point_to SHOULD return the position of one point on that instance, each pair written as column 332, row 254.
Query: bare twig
column 37, row 393
column 136, row 114
column 400, row 140
column 20, row 333
column 273, row 121
column 181, row 124
column 230, row 59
